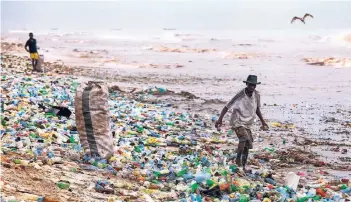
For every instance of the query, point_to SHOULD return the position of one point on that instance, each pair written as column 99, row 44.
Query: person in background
column 245, row 105
column 32, row 45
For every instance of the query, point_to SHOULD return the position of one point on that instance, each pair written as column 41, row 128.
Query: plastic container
column 63, row 184
column 292, row 180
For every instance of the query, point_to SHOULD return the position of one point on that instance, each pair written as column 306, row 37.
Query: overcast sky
column 186, row 14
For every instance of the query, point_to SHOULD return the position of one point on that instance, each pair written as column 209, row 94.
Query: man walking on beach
column 32, row 44
column 245, row 105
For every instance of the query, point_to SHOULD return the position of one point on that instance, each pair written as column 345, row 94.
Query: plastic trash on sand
column 159, row 153
column 292, row 180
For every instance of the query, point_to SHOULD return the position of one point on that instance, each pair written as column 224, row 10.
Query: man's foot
column 246, row 170
column 238, row 162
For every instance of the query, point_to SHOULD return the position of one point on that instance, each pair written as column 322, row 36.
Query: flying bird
column 302, row 19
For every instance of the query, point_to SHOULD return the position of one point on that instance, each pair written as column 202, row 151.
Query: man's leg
column 33, row 64
column 239, row 153
column 241, row 133
column 245, row 154
column 248, row 145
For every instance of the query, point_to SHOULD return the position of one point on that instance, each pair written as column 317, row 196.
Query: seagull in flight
column 302, row 19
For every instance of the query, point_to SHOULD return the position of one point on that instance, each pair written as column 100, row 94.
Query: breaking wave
column 347, row 38
column 341, row 39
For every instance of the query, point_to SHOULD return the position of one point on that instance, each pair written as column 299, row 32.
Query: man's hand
column 218, row 124
column 264, row 126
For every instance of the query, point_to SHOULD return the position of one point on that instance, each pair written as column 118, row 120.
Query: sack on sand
column 40, row 64
column 92, row 119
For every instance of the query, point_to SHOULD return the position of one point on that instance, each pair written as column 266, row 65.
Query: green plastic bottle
column 137, row 149
column 33, row 135
column 234, row 188
column 316, row 198
column 269, row 149
column 3, row 122
column 207, row 170
column 224, row 173
column 343, row 186
column 302, row 199
column 157, row 174
column 194, row 187
column 230, row 132
column 74, row 86
column 210, row 183
column 17, row 161
column 243, row 198
column 72, row 139
column 233, row 168
column 43, row 91
column 182, row 173
column 63, row 184
column 170, row 123
column 155, row 181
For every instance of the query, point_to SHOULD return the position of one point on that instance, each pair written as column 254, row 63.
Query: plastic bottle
column 225, row 197
column 343, row 186
column 302, row 199
column 243, row 198
column 316, row 198
column 312, row 192
column 63, row 184
column 233, row 168
column 210, row 183
column 283, row 192
column 182, row 173
column 196, row 198
column 292, row 180
column 230, row 132
column 321, row 192
column 30, row 197
column 270, row 181
column 224, row 187
column 194, row 187
column 336, row 197
column 201, row 177
column 188, row 176
column 234, row 188
column 346, row 191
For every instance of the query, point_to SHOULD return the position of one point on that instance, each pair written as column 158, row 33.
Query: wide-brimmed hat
column 252, row 79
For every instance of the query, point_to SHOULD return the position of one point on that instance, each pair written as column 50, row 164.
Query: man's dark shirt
column 32, row 44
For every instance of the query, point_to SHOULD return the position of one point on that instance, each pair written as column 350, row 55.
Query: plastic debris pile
column 171, row 155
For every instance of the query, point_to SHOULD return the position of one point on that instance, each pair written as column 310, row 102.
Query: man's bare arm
column 259, row 114
column 220, row 119
column 26, row 46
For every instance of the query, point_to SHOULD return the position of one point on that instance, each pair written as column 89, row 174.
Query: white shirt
column 243, row 109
